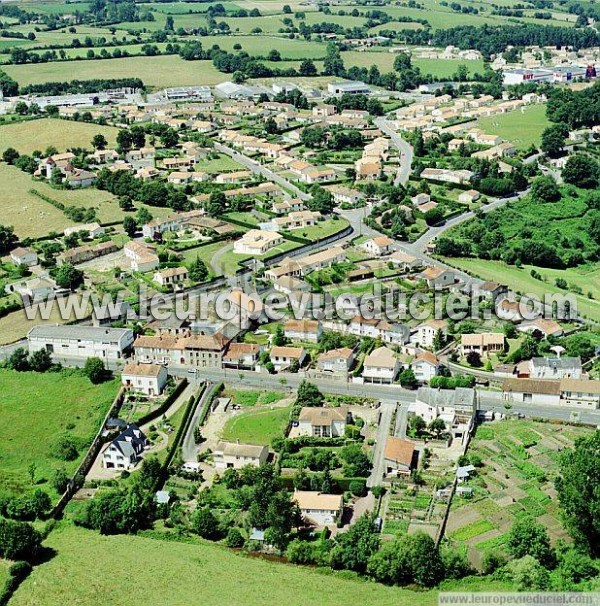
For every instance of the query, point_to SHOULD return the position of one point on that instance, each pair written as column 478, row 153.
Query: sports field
column 522, row 128
column 35, row 410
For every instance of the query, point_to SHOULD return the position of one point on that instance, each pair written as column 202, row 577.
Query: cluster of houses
column 369, row 166
column 59, row 167
column 434, row 114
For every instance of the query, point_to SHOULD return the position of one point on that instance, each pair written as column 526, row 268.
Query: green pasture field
column 35, row 409
column 520, row 280
column 261, row 45
column 33, row 217
column 446, row 68
column 197, row 574
column 32, row 135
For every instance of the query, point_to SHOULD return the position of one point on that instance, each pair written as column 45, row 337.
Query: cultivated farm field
column 156, row 72
column 35, row 410
column 519, row 460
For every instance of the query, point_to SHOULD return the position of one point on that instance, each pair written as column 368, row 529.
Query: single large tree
column 68, row 276
column 527, row 537
column 553, row 139
column 582, row 170
column 99, row 141
column 309, row 395
column 7, row 238
column 545, row 189
column 94, row 370
column 578, row 487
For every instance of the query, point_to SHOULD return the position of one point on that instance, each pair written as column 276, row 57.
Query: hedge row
column 160, row 411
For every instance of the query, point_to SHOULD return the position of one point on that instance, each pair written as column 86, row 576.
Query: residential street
column 406, row 150
column 255, row 167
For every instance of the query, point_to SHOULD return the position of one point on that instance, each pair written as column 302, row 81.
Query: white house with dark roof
column 456, row 407
column 125, row 451
column 556, row 368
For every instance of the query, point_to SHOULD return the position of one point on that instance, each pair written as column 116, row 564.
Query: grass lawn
column 257, row 426
column 30, row 135
column 321, row 230
column 35, row 409
column 226, row 262
column 154, row 71
column 249, row 397
column 520, row 128
column 198, row 574
column 218, row 165
column 4, row 566
column 520, row 280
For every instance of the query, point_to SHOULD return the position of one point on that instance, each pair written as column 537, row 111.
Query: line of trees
column 494, row 39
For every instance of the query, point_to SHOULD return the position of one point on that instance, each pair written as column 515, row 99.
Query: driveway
column 387, row 410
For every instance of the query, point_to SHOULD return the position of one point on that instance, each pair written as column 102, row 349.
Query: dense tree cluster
column 494, row 39
column 125, row 510
column 153, row 193
column 574, row 108
column 519, row 233
column 80, row 86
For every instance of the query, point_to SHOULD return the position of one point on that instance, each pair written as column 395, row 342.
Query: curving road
column 419, row 246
